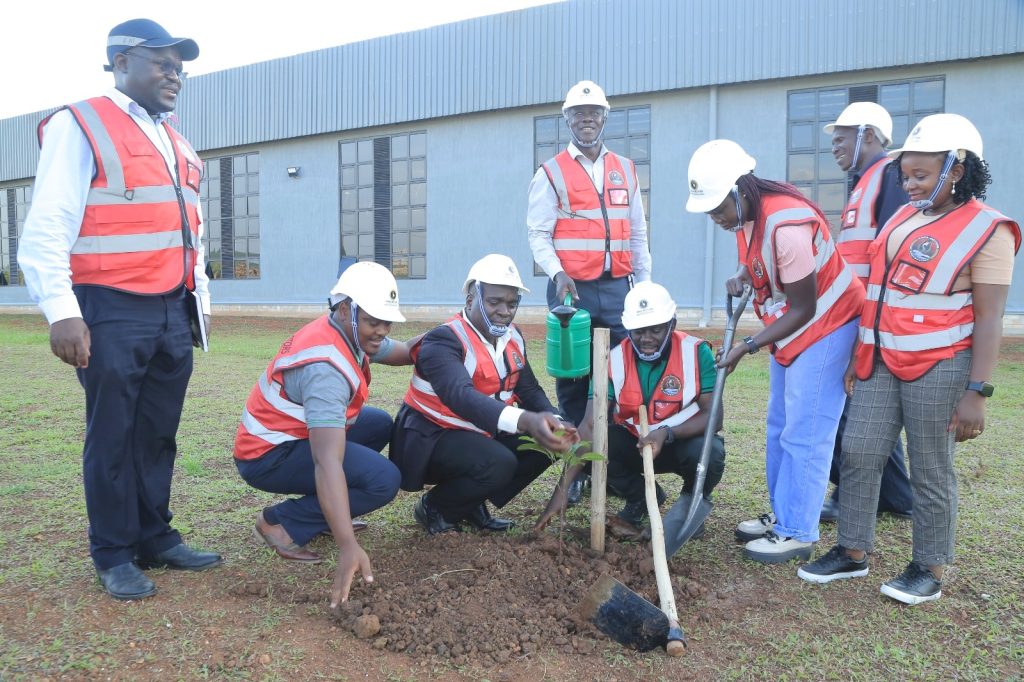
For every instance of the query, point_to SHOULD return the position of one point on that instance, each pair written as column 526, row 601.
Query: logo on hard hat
column 643, row 304
column 586, row 91
column 923, row 249
column 394, row 294
column 615, row 177
column 670, row 385
column 916, row 132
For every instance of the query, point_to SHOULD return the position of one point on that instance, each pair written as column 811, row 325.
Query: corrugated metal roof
column 531, row 56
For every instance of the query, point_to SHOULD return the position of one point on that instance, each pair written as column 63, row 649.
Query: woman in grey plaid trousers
column 927, row 345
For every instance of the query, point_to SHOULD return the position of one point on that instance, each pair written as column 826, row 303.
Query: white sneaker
column 773, row 549
column 755, row 528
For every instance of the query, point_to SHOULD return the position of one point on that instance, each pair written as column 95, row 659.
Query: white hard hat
column 942, row 133
column 714, row 169
column 585, row 93
column 865, row 114
column 647, row 304
column 372, row 287
column 495, row 268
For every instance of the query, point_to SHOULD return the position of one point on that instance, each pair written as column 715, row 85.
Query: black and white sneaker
column 775, row 549
column 755, row 528
column 835, row 564
column 915, row 585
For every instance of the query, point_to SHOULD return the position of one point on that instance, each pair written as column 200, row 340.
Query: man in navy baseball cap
column 146, row 33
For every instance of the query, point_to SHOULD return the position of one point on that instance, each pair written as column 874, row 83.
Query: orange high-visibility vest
column 140, row 231
column 269, row 417
column 859, row 227
column 912, row 314
column 840, row 293
column 498, row 382
column 675, row 398
column 589, row 224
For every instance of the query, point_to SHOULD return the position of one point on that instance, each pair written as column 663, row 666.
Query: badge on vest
column 518, row 359
column 908, row 277
column 618, row 197
column 670, row 385
column 851, row 218
column 757, row 268
column 923, row 249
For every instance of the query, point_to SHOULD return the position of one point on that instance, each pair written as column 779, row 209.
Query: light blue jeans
column 805, row 401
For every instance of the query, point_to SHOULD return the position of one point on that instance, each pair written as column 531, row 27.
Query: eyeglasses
column 166, row 66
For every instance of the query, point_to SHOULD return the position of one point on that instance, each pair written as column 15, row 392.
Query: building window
column 384, row 202
column 626, row 132
column 811, row 166
column 230, row 194
column 14, row 202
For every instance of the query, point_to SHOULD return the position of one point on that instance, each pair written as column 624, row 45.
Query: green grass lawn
column 54, row 620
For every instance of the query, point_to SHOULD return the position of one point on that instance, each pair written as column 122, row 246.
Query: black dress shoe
column 575, row 492
column 126, row 582
column 181, row 557
column 482, row 519
column 430, row 517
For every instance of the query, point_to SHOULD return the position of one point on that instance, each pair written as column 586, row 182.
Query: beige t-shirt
column 992, row 265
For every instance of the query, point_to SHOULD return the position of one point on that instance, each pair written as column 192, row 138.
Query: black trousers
column 139, row 367
column 626, row 465
column 467, row 468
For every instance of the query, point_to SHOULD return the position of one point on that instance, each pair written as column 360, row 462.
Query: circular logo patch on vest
column 757, row 268
column 671, row 385
column 518, row 359
column 855, row 197
column 923, row 249
column 615, row 177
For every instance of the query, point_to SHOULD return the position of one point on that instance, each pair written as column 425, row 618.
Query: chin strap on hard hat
column 495, row 330
column 651, row 357
column 739, row 209
column 576, row 140
column 856, row 147
column 922, row 204
column 354, row 321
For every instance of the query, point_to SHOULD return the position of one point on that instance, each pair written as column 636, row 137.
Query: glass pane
column 418, row 218
column 365, row 150
column 418, row 193
column 545, row 152
column 928, row 95
column 801, row 105
column 400, row 195
column 252, row 163
column 348, row 222
column 366, row 246
column 645, row 197
column 254, row 247
column 832, row 196
column 253, row 184
column 366, row 222
column 900, row 129
column 238, row 165
column 240, row 206
column 240, row 248
column 348, row 176
column 643, row 175
column 638, row 148
column 830, row 104
column 824, row 140
column 828, row 169
column 400, row 171
column 212, row 168
column 348, row 199
column 418, row 267
column 615, row 126
column 400, row 243
column 399, row 146
column 366, row 197
column 801, row 168
column 639, row 120
column 418, row 242
column 254, row 227
column 545, row 129
column 239, row 185
column 418, row 144
column 254, row 205
column 801, row 135
column 348, row 153
column 214, row 188
column 400, row 219
column 349, row 245
column 214, row 212
column 400, row 266
column 895, row 98
column 616, row 144
column 563, row 132
column 254, row 269
column 365, row 174
column 418, row 169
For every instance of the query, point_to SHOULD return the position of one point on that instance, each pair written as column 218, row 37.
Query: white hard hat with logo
column 714, row 169
column 647, row 304
column 585, row 93
column 495, row 268
column 943, row 133
column 859, row 114
column 372, row 287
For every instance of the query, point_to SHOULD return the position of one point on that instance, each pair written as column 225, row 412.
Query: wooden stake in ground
column 674, row 647
column 599, row 469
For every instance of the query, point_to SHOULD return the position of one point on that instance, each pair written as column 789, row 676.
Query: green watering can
column 568, row 341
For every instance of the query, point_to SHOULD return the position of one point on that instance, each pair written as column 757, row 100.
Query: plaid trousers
column 880, row 407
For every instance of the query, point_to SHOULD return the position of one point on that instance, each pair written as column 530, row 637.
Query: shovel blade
column 680, row 525
column 624, row 615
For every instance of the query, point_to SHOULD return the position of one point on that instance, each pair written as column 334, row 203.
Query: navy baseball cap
column 147, row 33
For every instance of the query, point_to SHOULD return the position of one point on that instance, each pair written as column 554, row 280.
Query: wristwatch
column 983, row 388
column 669, row 436
column 752, row 346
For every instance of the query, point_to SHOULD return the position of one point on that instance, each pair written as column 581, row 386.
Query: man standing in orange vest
column 587, row 230
column 111, row 253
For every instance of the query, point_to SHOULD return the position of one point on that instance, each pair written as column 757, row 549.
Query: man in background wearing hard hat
column 112, row 252
column 472, row 394
column 306, row 429
column 859, row 138
column 671, row 373
column 587, row 230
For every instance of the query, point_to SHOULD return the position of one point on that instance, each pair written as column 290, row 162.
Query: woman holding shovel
column 808, row 299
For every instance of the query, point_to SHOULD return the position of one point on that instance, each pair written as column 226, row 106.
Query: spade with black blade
column 689, row 511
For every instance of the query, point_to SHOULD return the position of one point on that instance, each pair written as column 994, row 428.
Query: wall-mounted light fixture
column 293, row 171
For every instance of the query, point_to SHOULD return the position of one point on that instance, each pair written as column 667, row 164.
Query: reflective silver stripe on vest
column 927, row 341
column 947, row 269
column 825, row 302
column 422, row 385
column 866, row 335
column 558, row 182
column 470, row 361
column 105, row 145
column 329, row 353
column 689, row 350
column 862, row 270
column 273, row 393
column 856, row 234
column 618, row 370
column 453, row 421
column 158, row 194
column 862, row 229
column 126, row 243
column 613, row 213
column 590, row 245
column 254, row 428
column 675, row 420
column 897, row 299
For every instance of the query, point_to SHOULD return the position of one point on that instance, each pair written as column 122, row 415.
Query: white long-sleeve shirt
column 66, row 169
column 543, row 212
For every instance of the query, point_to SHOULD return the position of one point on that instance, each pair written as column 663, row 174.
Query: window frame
column 223, row 214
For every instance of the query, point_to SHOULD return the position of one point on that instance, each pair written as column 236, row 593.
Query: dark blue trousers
column 288, row 469
column 895, row 495
column 603, row 299
column 139, row 367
